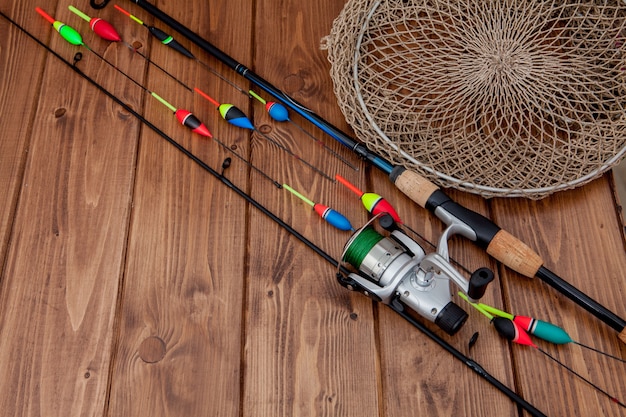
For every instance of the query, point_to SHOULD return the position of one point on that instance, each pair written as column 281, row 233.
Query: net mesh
column 495, row 97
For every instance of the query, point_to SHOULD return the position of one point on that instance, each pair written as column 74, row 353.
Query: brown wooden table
column 135, row 284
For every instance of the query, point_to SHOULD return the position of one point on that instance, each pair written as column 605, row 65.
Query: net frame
column 500, row 97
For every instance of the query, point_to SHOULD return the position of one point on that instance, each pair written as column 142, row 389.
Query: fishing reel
column 396, row 269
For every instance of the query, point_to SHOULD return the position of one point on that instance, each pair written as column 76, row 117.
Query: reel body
column 395, row 268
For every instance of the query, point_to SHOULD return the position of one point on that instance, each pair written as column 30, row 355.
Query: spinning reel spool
column 396, row 269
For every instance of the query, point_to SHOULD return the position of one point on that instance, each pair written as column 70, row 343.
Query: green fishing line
column 361, row 246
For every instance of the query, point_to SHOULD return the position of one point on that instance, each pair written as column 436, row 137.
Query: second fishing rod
column 497, row 242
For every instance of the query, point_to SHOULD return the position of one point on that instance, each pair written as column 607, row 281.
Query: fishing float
column 99, row 26
column 163, row 37
column 333, row 217
column 487, row 235
column 513, row 332
column 185, row 117
column 543, row 330
column 106, row 31
column 236, row 117
column 372, row 202
column 68, row 33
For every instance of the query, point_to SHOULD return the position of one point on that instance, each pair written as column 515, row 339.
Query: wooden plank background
column 134, row 283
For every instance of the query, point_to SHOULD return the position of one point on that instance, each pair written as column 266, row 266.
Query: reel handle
column 478, row 283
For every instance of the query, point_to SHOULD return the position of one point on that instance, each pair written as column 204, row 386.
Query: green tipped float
column 67, row 32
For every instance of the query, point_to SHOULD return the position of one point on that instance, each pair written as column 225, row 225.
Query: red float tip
column 121, row 10
column 349, row 185
column 206, row 96
column 522, row 337
column 524, row 322
column 512, row 331
column 320, row 209
column 45, row 15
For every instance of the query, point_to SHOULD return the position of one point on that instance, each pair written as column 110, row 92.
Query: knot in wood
column 152, row 349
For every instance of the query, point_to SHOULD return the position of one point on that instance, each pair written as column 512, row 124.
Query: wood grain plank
column 135, row 284
column 579, row 235
column 310, row 343
column 179, row 346
column 61, row 281
column 22, row 70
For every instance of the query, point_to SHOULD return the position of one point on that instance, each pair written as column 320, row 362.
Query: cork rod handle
column 501, row 245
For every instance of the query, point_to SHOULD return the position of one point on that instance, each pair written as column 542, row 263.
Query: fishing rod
column 278, row 113
column 497, row 242
column 229, row 112
column 471, row 364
